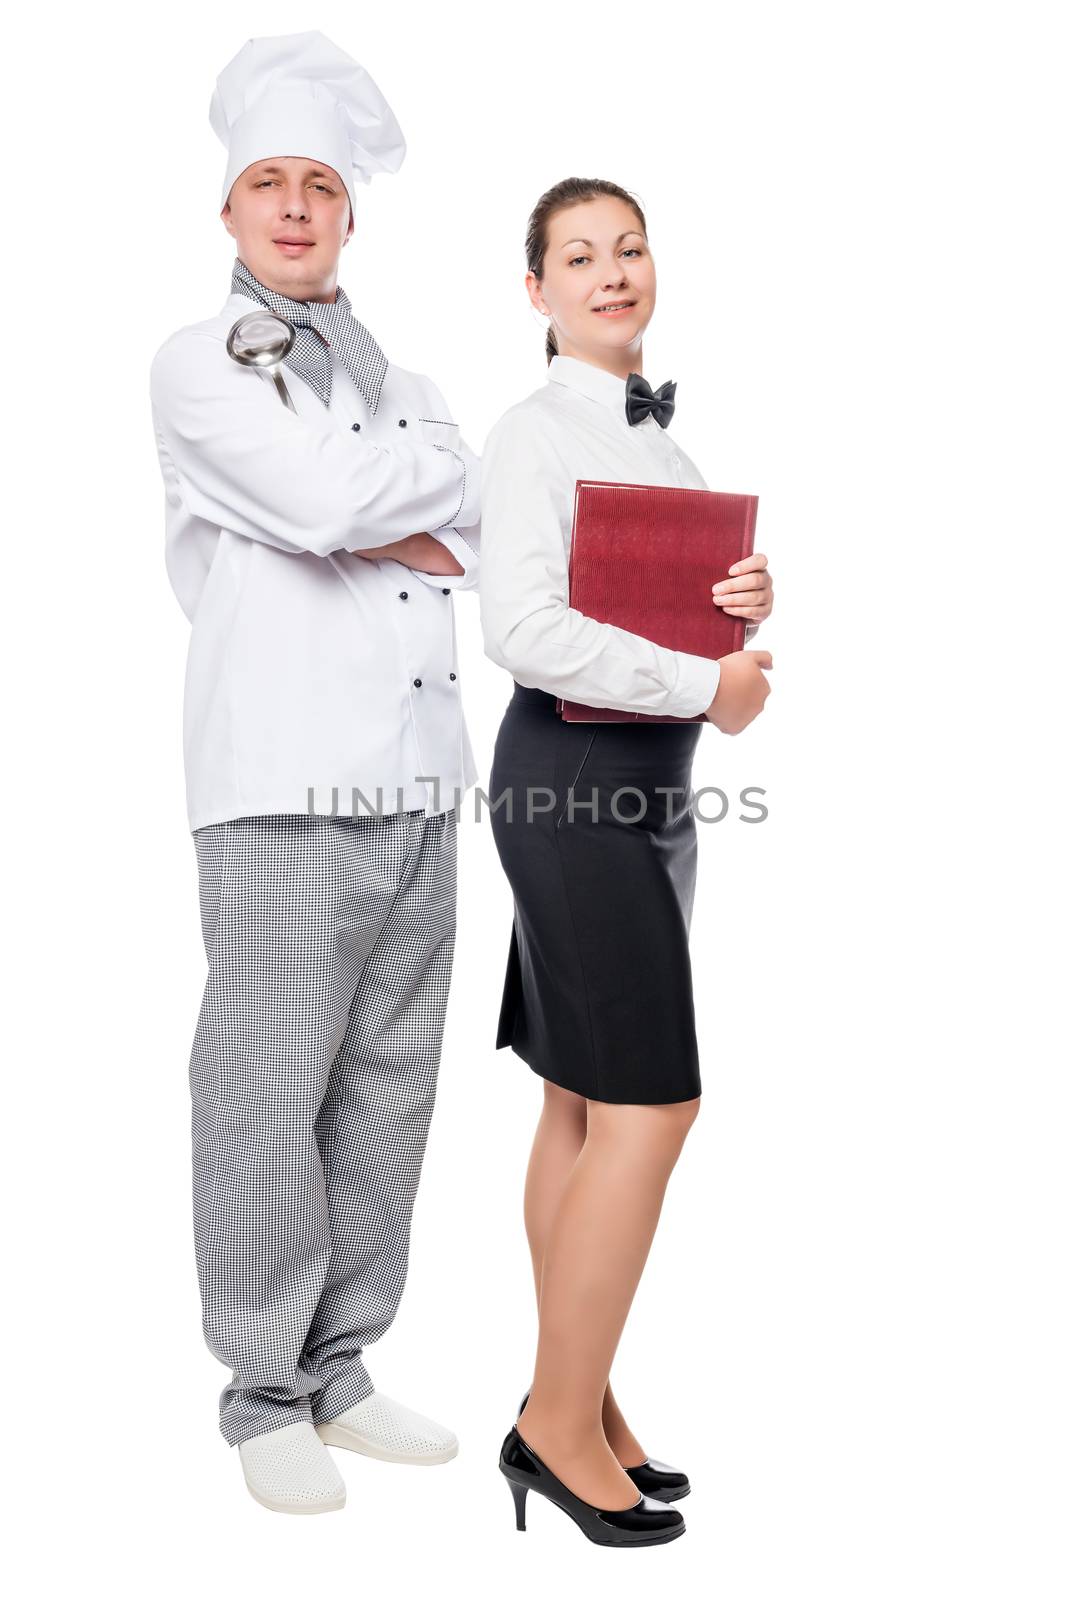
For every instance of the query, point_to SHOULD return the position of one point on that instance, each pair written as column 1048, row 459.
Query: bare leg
column 558, row 1140
column 592, row 1261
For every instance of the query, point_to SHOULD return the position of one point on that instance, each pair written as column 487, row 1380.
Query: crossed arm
column 419, row 551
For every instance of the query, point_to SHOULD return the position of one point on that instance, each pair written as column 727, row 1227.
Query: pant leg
column 374, row 1120
column 291, row 907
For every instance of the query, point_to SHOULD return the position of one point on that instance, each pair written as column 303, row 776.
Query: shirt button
column 446, row 591
column 403, row 423
column 452, row 677
column 675, row 462
column 404, row 594
column 418, row 683
column 355, row 427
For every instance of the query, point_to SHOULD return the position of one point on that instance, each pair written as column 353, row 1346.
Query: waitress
column 598, row 995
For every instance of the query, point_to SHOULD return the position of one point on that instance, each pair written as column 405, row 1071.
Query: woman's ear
column 537, row 299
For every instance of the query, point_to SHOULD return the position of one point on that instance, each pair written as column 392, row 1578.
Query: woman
column 598, row 994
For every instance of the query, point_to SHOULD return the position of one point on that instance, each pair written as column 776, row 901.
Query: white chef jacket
column 311, row 668
column 574, row 427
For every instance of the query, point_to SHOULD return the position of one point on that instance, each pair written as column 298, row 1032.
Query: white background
column 852, row 1329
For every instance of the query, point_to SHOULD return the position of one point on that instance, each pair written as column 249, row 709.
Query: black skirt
column 598, row 992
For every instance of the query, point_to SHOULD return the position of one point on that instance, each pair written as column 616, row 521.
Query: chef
column 321, row 509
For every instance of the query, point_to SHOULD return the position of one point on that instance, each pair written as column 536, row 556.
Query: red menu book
column 645, row 558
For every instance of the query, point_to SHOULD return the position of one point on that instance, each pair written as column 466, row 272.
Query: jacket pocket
column 439, row 431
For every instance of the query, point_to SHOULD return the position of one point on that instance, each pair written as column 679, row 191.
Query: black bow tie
column 643, row 401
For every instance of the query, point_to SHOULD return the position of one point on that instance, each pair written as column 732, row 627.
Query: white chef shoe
column 383, row 1428
column 290, row 1469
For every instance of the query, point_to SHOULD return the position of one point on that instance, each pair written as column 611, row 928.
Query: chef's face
column 290, row 217
column 596, row 256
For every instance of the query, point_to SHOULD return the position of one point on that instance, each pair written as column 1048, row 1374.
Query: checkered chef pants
column 313, row 1074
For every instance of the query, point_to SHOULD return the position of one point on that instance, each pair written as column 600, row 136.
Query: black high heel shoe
column 653, row 1478
column 646, row 1522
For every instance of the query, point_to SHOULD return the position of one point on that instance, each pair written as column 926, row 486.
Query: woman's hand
column 420, row 552
column 742, row 690
column 747, row 592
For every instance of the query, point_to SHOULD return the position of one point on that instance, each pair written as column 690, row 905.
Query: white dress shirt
column 311, row 668
column 574, row 427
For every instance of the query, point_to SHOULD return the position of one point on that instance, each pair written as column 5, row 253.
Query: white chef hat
column 297, row 94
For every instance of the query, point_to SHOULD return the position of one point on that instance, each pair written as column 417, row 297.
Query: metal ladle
column 263, row 339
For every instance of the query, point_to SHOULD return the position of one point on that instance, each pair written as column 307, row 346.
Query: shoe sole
column 345, row 1439
column 299, row 1511
column 621, row 1544
column 609, row 1543
column 669, row 1499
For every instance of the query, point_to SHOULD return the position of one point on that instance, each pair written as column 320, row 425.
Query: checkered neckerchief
column 320, row 329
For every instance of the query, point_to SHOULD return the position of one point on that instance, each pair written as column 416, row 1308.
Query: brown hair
column 568, row 192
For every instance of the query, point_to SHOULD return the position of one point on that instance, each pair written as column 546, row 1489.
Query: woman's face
column 596, row 256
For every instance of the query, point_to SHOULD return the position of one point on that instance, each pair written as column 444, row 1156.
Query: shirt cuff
column 454, row 541
column 695, row 686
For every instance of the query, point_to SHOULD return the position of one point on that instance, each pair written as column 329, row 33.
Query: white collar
column 594, row 382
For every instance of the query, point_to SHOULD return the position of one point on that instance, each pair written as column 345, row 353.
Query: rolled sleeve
column 464, row 545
